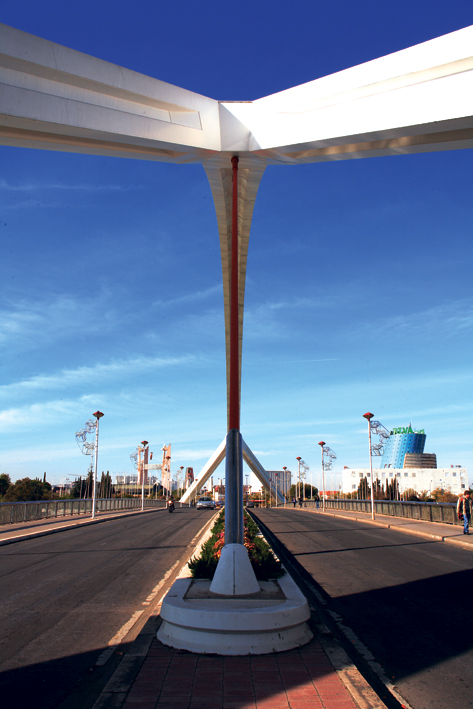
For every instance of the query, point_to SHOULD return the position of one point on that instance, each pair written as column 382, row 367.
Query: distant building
column 455, row 480
column 404, row 460
column 420, row 460
column 402, row 442
column 126, row 479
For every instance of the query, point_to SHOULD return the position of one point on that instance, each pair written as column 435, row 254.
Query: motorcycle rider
column 170, row 504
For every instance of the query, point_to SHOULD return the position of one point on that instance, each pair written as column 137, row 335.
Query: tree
column 442, row 495
column 392, row 489
column 378, row 492
column 27, row 490
column 364, row 490
column 5, row 483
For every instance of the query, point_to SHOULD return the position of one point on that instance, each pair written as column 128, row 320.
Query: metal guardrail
column 11, row 512
column 443, row 512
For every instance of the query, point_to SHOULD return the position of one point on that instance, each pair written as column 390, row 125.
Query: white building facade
column 454, row 479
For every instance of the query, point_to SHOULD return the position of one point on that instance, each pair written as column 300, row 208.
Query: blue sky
column 359, row 273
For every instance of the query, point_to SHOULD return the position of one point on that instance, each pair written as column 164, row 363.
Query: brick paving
column 296, row 679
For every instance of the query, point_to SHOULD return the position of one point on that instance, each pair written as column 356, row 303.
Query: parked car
column 205, row 502
column 250, row 503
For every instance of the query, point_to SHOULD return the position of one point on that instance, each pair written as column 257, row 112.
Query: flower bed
column 264, row 563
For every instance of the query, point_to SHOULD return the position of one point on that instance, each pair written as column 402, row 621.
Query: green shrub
column 264, row 563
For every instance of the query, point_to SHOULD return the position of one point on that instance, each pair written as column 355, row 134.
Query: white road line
column 125, row 629
column 117, row 638
column 157, row 588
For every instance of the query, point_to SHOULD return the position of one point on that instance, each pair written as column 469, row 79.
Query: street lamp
column 368, row 417
column 284, row 467
column 299, row 476
column 98, row 415
column 321, row 444
column 143, row 468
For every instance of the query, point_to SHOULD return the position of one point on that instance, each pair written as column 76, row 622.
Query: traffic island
column 272, row 620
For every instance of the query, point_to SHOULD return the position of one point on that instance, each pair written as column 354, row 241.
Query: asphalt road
column 64, row 597
column 408, row 599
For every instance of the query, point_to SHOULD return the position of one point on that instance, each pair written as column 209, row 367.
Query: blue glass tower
column 400, row 442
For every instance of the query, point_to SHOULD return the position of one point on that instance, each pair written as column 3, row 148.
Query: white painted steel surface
column 417, row 100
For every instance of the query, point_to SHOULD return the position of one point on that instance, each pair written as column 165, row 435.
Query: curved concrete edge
column 227, row 630
column 257, row 643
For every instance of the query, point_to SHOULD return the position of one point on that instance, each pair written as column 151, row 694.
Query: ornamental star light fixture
column 417, row 100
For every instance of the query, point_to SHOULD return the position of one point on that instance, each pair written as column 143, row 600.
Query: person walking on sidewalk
column 464, row 509
column 294, row 501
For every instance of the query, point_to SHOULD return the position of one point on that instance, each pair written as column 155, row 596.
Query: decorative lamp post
column 143, row 469
column 98, row 415
column 284, row 467
column 368, row 417
column 181, row 476
column 321, row 444
column 299, row 476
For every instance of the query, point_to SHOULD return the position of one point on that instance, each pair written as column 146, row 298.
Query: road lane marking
column 117, row 638
column 125, row 629
column 159, row 586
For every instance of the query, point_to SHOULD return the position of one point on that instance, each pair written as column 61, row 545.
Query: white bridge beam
column 217, row 458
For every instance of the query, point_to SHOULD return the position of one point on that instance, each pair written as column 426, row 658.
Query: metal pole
column 98, row 415
column 321, row 444
column 368, row 417
column 234, row 403
column 298, row 486
column 234, row 488
column 143, row 482
column 234, row 451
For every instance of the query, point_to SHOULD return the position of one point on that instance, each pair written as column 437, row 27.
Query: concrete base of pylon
column 234, row 575
column 272, row 620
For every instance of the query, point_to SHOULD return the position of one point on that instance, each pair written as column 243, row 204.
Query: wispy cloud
column 191, row 297
column 448, row 318
column 43, row 414
column 292, row 361
column 265, row 319
column 97, row 373
column 25, row 204
column 193, row 454
column 37, row 321
column 40, row 186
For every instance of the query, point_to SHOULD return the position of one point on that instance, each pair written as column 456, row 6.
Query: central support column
column 234, row 404
column 234, row 575
column 234, row 455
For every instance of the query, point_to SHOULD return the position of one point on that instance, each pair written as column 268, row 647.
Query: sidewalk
column 319, row 675
column 20, row 531
column 316, row 676
column 430, row 530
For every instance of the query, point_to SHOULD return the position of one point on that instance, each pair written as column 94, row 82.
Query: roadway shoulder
column 400, row 528
column 64, row 528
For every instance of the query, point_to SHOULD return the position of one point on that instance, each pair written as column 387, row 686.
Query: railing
column 444, row 512
column 11, row 512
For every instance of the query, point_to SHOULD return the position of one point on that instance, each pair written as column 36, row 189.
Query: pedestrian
column 317, row 500
column 294, row 501
column 464, row 510
column 300, row 501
